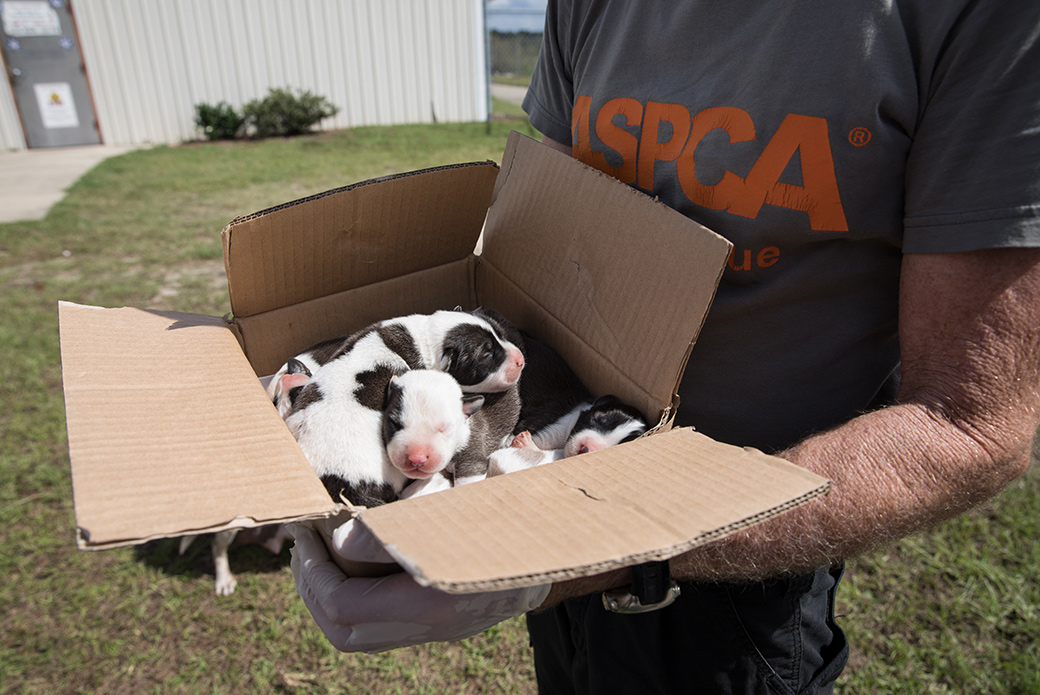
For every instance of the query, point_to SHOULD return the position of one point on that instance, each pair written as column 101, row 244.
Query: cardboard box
column 171, row 433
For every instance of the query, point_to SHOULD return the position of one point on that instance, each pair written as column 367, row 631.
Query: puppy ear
column 471, row 404
column 448, row 358
column 287, row 390
column 391, row 386
column 294, row 366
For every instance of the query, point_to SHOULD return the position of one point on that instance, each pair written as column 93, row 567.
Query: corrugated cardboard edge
column 355, row 236
column 606, row 566
column 659, row 405
column 670, row 501
column 83, row 540
column 354, row 186
column 132, row 459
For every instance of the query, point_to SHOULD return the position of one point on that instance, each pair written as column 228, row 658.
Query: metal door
column 45, row 67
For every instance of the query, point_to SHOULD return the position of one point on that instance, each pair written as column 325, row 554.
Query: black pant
column 773, row 637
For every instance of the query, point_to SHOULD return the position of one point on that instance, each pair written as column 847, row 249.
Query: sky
column 516, row 15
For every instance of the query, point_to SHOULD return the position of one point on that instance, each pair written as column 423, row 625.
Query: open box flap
column 170, row 432
column 269, row 338
column 618, row 283
column 355, row 236
column 649, row 499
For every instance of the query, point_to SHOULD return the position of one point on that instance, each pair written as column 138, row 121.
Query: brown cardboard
column 617, row 283
column 170, row 431
column 367, row 233
column 335, row 262
column 592, row 513
column 183, row 438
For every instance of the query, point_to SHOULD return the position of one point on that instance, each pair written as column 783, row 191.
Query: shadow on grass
column 197, row 561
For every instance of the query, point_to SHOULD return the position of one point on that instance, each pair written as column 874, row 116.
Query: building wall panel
column 380, row 61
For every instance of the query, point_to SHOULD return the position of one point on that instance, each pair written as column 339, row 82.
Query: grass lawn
column 951, row 611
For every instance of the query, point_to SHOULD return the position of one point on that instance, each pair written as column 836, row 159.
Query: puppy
column 426, row 422
column 270, row 536
column 475, row 348
column 603, row 423
column 551, row 396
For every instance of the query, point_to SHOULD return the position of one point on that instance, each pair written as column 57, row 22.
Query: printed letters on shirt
column 805, row 137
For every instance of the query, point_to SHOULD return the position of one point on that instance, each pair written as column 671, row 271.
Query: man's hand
column 377, row 614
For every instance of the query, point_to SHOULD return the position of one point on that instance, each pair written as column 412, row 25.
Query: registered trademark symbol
column 859, row 136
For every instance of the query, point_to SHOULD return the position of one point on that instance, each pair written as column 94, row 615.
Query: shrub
column 283, row 113
column 220, row 122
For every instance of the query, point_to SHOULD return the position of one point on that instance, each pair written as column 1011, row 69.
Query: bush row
column 280, row 113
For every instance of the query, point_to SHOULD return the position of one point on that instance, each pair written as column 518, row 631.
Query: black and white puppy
column 606, row 422
column 470, row 346
column 292, row 377
column 492, row 428
column 425, row 423
column 479, row 348
column 603, row 423
column 473, row 347
column 552, row 396
column 336, row 418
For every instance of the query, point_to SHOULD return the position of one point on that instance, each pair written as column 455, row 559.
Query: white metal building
column 149, row 62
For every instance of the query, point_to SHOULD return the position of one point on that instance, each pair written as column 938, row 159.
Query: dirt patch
column 194, row 277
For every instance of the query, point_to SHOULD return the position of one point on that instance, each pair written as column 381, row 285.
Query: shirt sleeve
column 973, row 170
column 550, row 96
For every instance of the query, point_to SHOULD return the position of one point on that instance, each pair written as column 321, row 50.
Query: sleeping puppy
column 598, row 425
column 477, row 349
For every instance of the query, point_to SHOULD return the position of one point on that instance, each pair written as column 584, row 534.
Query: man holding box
column 877, row 168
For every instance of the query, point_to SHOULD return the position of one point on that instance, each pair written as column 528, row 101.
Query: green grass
column 951, row 611
column 507, row 111
column 956, row 610
column 518, row 80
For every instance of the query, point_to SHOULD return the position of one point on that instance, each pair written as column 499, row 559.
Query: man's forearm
column 894, row 471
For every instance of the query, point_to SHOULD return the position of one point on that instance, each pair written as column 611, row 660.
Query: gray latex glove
column 376, row 614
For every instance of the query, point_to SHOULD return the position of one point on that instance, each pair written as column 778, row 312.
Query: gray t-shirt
column 824, row 139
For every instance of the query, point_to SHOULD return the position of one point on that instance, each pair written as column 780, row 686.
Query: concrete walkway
column 31, row 181
column 508, row 92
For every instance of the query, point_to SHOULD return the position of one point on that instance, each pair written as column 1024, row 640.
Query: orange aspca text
column 763, row 259
column 805, row 136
